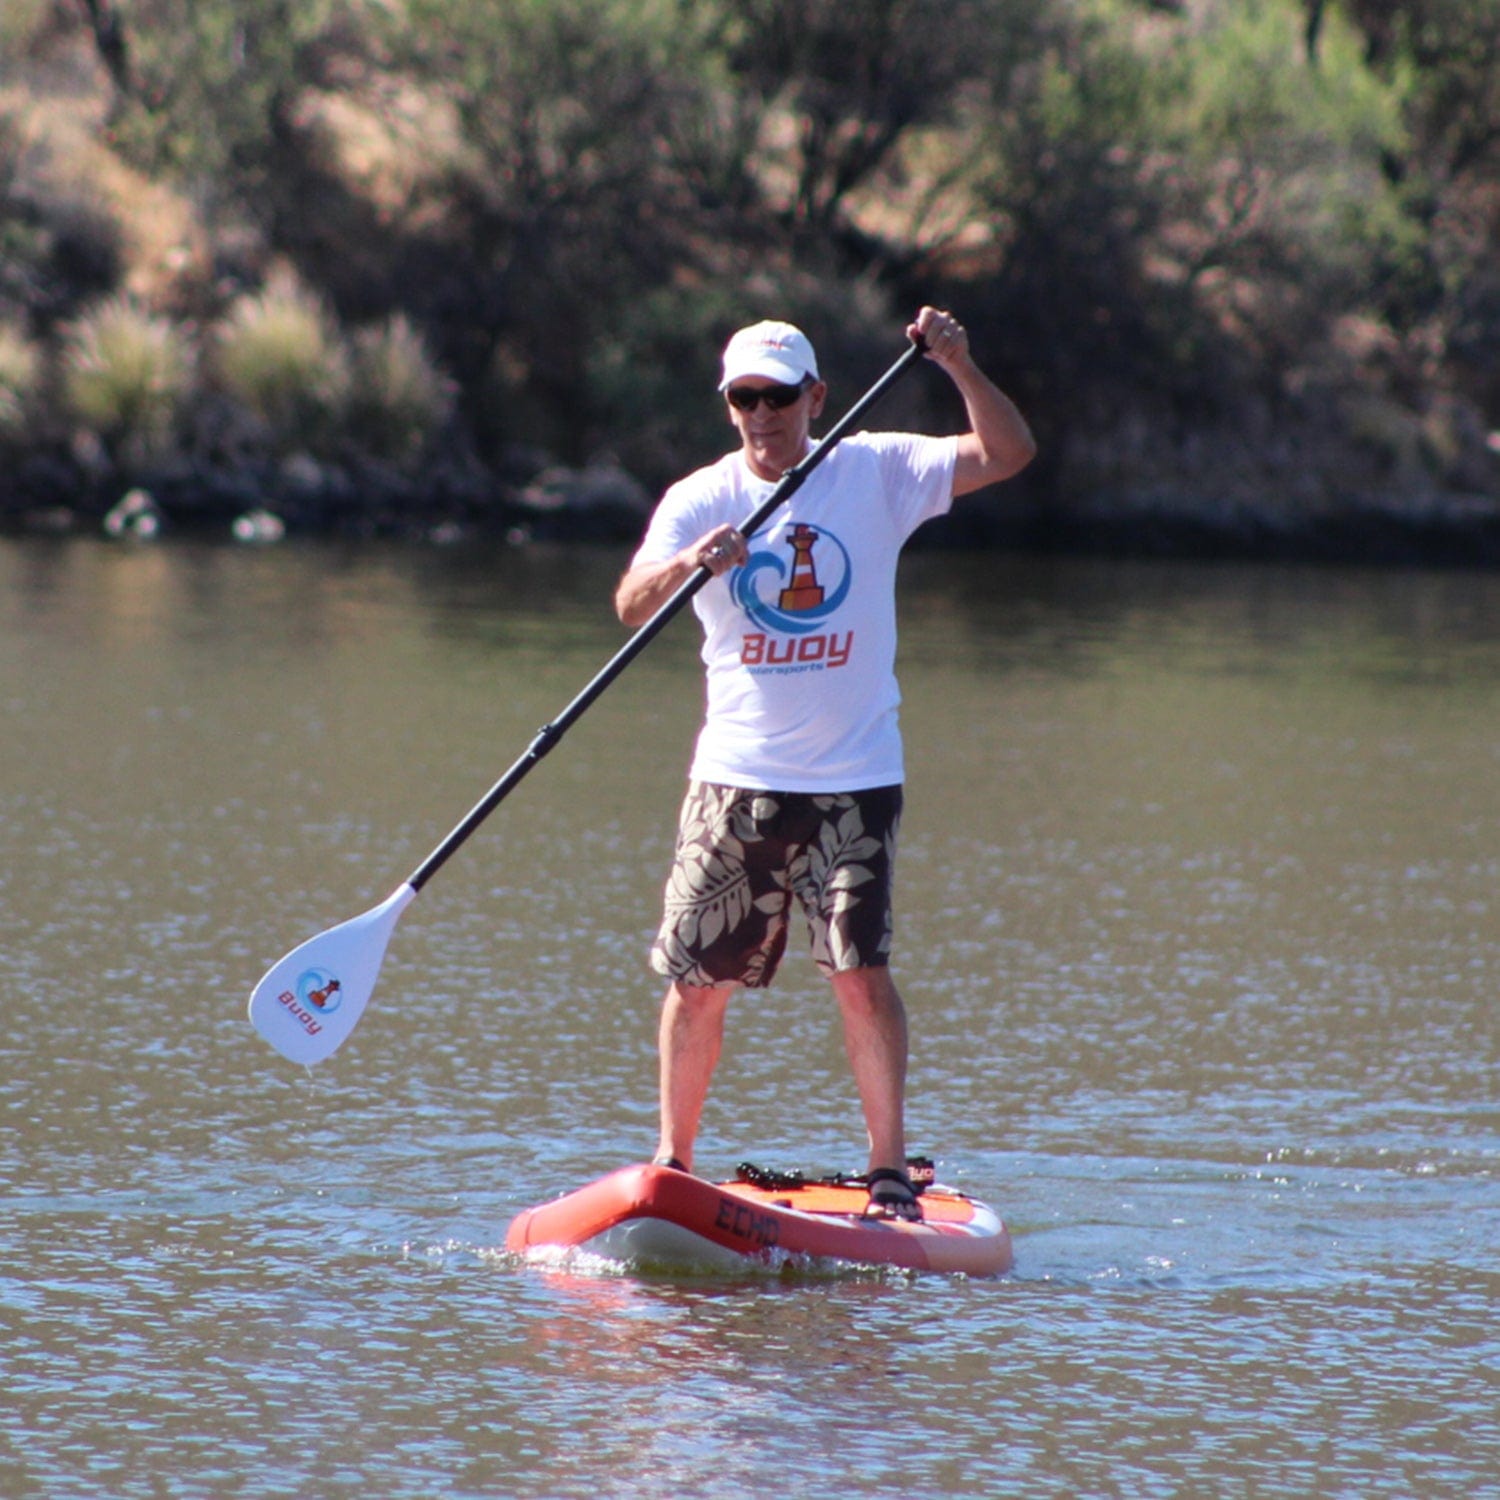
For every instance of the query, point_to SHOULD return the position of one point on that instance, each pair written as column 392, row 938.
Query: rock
column 258, row 526
column 135, row 515
column 599, row 501
column 50, row 520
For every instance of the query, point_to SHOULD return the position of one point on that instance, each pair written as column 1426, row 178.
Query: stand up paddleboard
column 659, row 1217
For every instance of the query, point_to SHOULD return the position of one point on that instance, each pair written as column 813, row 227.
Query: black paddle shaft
column 549, row 734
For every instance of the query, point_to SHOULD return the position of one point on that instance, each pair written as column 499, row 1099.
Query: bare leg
column 875, row 1039
column 690, row 1039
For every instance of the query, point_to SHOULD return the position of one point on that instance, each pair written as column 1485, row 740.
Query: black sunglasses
column 777, row 397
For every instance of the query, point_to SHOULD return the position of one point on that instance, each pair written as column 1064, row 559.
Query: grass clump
column 281, row 355
column 20, row 377
column 126, row 375
column 399, row 397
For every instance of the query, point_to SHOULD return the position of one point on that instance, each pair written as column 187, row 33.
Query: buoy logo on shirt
column 795, row 597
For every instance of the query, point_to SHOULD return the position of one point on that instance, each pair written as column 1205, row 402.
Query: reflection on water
column 1197, row 925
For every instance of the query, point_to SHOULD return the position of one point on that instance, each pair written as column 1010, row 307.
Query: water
column 1197, row 925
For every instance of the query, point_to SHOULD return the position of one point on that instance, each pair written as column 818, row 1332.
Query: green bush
column 126, row 375
column 398, row 396
column 281, row 354
column 1298, row 151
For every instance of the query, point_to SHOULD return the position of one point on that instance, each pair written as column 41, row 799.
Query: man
column 795, row 785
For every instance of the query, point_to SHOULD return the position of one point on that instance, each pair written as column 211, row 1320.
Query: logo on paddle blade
column 319, row 990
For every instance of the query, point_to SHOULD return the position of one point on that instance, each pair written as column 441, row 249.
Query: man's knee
column 700, row 997
column 870, row 989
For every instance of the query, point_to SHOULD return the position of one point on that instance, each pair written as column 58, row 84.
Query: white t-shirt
column 800, row 641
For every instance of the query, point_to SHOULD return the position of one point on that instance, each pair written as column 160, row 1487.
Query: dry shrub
column 399, row 397
column 126, row 375
column 20, row 378
column 280, row 353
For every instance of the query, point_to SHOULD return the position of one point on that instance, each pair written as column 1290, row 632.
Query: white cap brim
column 773, row 351
column 772, row 369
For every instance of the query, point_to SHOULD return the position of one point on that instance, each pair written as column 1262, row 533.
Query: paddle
column 309, row 1001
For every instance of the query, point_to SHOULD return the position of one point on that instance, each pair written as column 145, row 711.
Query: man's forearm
column 643, row 590
column 999, row 443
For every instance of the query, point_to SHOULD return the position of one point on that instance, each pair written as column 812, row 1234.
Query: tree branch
column 109, row 41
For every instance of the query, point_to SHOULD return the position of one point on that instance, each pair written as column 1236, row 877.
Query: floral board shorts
column 741, row 857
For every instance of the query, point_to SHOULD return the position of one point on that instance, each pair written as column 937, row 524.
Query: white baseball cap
column 778, row 351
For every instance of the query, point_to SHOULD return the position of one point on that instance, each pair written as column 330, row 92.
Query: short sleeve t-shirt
column 800, row 641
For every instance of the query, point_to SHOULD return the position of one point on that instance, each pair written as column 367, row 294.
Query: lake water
column 1199, row 925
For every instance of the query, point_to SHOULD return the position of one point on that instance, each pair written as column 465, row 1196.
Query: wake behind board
column 656, row 1216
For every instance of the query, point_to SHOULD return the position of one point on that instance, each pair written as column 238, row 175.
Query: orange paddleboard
column 649, row 1215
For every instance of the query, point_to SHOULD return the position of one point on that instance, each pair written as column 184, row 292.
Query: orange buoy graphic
column 803, row 592
column 321, row 997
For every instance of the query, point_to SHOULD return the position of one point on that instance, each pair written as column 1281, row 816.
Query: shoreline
column 601, row 504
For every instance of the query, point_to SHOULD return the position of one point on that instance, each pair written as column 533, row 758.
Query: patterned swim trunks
column 741, row 857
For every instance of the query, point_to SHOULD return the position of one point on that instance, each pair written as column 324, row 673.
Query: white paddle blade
column 311, row 1000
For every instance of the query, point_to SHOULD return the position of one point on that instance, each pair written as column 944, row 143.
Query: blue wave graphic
column 788, row 622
